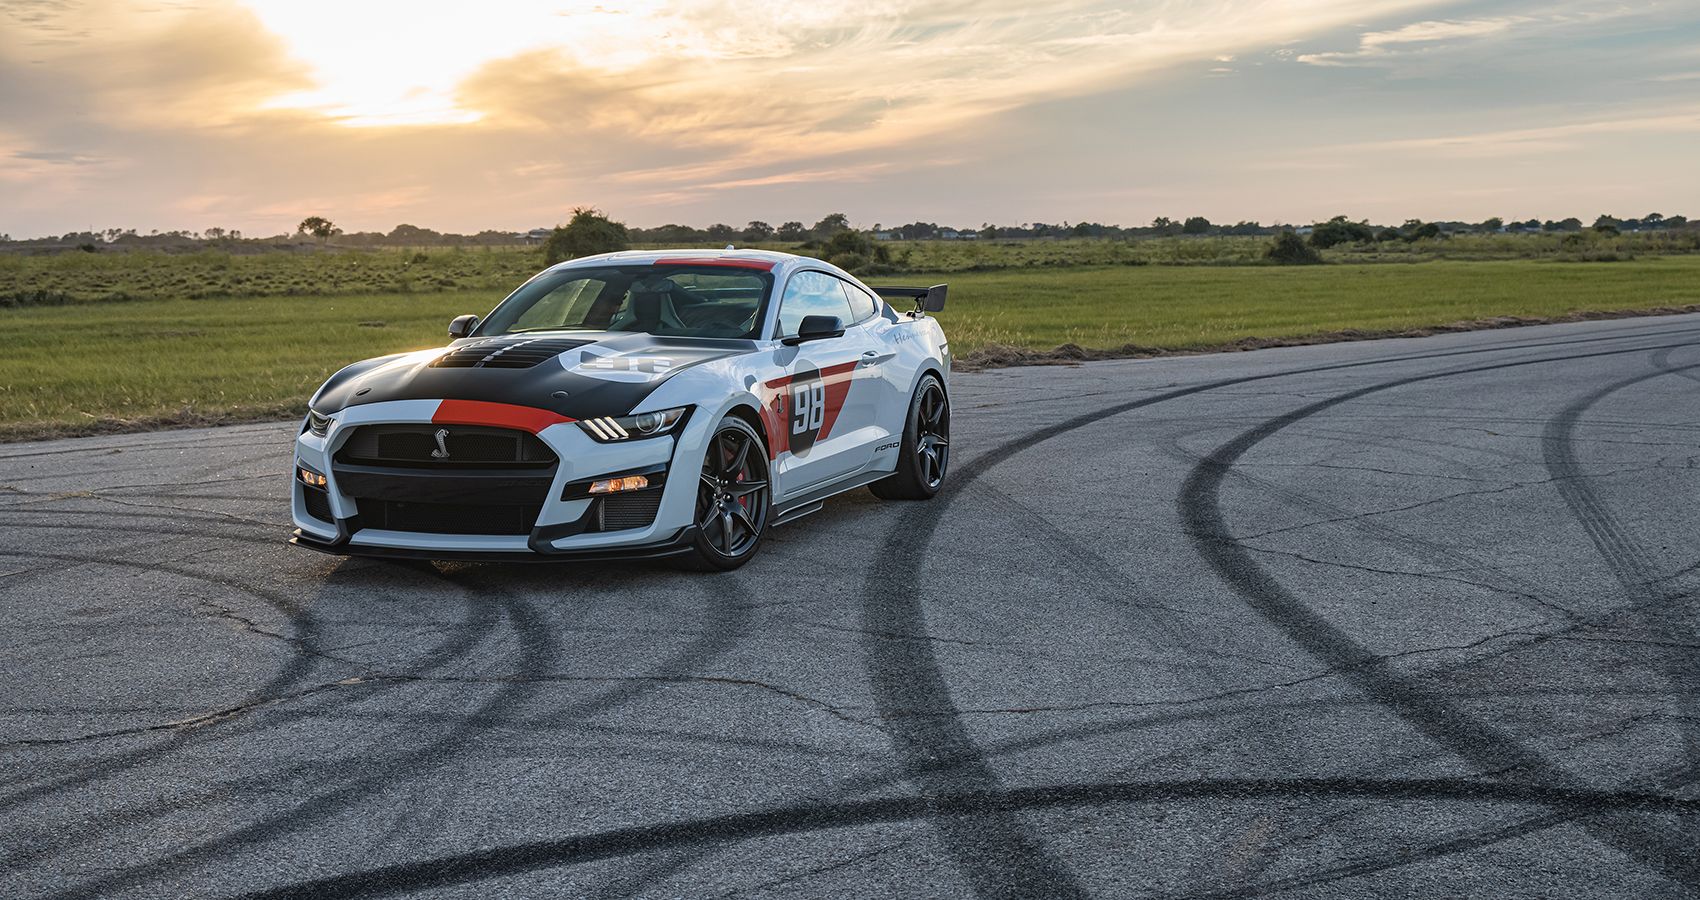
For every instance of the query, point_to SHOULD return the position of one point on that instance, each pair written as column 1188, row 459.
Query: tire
column 734, row 498
column 924, row 455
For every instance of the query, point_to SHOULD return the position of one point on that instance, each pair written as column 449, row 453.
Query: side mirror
column 815, row 328
column 462, row 326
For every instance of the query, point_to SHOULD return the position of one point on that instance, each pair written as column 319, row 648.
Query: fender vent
column 506, row 353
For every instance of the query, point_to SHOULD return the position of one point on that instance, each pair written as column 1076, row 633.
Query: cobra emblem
column 442, row 451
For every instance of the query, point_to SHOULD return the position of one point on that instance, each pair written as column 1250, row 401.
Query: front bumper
column 567, row 524
column 676, row 546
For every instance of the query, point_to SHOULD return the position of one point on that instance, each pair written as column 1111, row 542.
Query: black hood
column 581, row 375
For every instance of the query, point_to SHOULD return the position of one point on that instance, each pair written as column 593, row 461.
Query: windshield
column 682, row 301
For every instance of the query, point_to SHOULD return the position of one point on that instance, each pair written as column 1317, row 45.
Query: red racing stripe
column 838, row 379
column 498, row 415
column 758, row 264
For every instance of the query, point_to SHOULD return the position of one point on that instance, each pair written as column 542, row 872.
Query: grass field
column 116, row 276
column 83, row 368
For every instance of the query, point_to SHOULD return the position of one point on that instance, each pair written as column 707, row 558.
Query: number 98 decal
column 807, row 399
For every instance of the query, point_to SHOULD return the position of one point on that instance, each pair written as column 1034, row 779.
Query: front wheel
column 733, row 497
column 925, row 451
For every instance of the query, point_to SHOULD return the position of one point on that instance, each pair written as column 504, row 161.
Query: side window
column 862, row 304
column 811, row 294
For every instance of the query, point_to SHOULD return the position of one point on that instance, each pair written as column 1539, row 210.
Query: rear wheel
column 925, row 452
column 733, row 497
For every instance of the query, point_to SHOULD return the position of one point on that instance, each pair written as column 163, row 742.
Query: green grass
column 78, row 367
column 114, row 276
column 1189, row 308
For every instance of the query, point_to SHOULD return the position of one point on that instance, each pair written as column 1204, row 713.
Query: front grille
column 414, row 445
column 445, row 518
column 318, row 504
column 634, row 510
column 506, row 353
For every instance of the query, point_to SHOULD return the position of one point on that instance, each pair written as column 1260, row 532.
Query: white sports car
column 570, row 421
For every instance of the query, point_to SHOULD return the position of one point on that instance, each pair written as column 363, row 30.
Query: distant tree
column 832, row 224
column 1605, row 221
column 1421, row 231
column 791, row 231
column 413, row 235
column 1532, row 225
column 1570, row 224
column 1165, row 226
column 588, row 232
column 758, row 231
column 1388, row 234
column 317, row 226
column 214, row 234
column 855, row 252
column 720, row 231
column 1489, row 226
column 1289, row 249
column 1196, row 225
column 1653, row 220
column 1605, row 228
column 1340, row 230
column 1676, row 222
column 988, row 230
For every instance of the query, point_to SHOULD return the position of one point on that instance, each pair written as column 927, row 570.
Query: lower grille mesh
column 446, row 518
column 318, row 504
column 633, row 510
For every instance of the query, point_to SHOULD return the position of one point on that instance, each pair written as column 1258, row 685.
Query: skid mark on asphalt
column 1479, row 744
column 518, row 859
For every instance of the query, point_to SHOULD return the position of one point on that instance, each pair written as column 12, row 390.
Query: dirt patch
column 998, row 356
column 187, row 418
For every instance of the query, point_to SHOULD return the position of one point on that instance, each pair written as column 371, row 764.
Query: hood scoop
column 506, row 353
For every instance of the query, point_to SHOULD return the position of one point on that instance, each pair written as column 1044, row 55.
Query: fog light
column 311, row 478
column 616, row 485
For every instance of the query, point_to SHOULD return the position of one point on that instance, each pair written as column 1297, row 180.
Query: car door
column 827, row 428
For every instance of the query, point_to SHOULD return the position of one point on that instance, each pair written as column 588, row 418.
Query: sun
column 391, row 62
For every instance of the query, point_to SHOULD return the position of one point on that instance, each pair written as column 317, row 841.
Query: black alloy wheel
column 924, row 454
column 733, row 495
column 932, row 436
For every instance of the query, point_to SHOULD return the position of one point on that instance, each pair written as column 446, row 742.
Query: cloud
column 1543, row 139
column 1377, row 46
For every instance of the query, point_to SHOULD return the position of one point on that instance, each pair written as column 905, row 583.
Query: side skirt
column 810, row 502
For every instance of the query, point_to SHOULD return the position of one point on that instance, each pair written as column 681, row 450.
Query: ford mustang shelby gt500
column 634, row 404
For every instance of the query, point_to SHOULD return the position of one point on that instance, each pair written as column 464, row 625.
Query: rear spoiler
column 927, row 299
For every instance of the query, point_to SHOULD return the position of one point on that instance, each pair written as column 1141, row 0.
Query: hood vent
column 506, row 353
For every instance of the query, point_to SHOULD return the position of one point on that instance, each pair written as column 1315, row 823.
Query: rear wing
column 927, row 299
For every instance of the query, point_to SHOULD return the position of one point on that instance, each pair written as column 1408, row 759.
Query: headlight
column 608, row 429
column 317, row 423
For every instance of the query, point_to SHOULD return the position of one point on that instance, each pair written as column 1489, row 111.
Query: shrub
column 589, row 232
column 1340, row 230
column 1289, row 249
column 857, row 253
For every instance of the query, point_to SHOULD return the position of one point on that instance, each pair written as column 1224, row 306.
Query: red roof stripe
column 761, row 264
column 498, row 415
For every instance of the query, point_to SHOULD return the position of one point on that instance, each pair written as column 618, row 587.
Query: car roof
column 771, row 260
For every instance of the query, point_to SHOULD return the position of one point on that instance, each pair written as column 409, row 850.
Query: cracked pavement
column 1387, row 618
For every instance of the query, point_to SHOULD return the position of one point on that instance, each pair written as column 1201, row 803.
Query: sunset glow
column 253, row 114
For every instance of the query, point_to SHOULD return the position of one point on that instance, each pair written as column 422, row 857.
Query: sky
column 254, row 114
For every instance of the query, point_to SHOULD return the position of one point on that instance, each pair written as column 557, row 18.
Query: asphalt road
column 1394, row 618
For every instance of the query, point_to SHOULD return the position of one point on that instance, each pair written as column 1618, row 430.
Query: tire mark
column 1000, row 856
column 460, row 640
column 1477, row 743
column 1634, row 571
column 537, row 650
column 518, row 859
